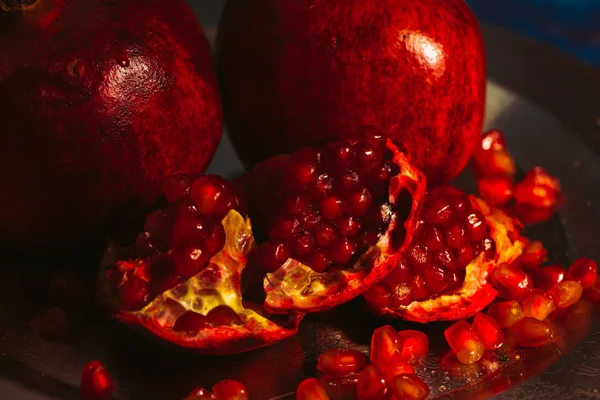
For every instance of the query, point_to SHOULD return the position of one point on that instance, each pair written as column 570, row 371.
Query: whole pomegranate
column 99, row 101
column 298, row 73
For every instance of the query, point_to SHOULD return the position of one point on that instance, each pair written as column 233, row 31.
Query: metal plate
column 549, row 107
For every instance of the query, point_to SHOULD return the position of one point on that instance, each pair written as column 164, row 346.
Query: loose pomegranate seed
column 342, row 249
column 409, row 387
column 566, row 293
column 538, row 305
column 497, row 163
column 463, row 341
column 311, row 389
column 496, row 191
column 506, row 313
column 394, row 368
column 51, row 323
column 379, row 297
column 584, row 271
column 134, row 294
column 512, row 281
column 96, row 382
column 415, row 344
column 370, row 385
column 533, row 256
column 530, row 332
column 212, row 195
column 229, row 389
column 191, row 322
column 548, row 277
column 200, row 394
column 539, row 189
column 337, row 363
column 176, row 187
column 487, row 329
column 272, row 255
column 386, row 344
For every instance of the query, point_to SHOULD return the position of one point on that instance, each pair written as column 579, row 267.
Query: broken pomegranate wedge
column 336, row 220
column 444, row 275
column 181, row 279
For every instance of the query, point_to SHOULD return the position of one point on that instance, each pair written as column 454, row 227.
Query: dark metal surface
column 549, row 106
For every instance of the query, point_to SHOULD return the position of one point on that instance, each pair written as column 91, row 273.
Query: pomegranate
column 181, row 280
column 294, row 74
column 101, row 101
column 336, row 219
column 459, row 242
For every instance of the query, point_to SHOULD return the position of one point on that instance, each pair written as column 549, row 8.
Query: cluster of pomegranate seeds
column 96, row 382
column 323, row 207
column 227, row 389
column 488, row 331
column 178, row 241
column 450, row 234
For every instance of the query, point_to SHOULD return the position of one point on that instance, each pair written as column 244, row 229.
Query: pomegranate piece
column 491, row 159
column 512, row 282
column 408, row 386
column 496, row 191
column 386, row 344
column 337, row 362
column 584, row 271
column 311, row 389
column 96, row 382
column 200, row 394
column 566, row 293
column 328, row 243
column 415, row 344
column 506, row 313
column 464, row 343
column 370, row 384
column 190, row 294
column 530, row 332
column 52, row 323
column 229, row 389
column 538, row 189
column 547, row 278
column 488, row 331
column 459, row 242
column 538, row 305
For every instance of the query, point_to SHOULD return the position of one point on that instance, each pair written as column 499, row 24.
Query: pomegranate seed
column 386, row 344
column 415, row 344
column 337, row 362
column 159, row 224
column 325, row 234
column 566, row 293
column 190, row 260
column 476, row 226
column 496, row 191
column 437, row 279
column 584, row 271
column 331, row 207
column 456, row 280
column 343, row 156
column 492, row 140
column 145, row 246
column 223, row 316
column 212, row 195
column 466, row 254
column 417, row 254
column 367, row 157
column 311, row 389
column 367, row 239
column 456, row 235
column 548, row 277
column 530, row 332
column 418, row 288
column 96, row 382
column 370, row 385
column 403, row 273
column 229, row 389
column 593, row 293
column 439, row 211
column 533, row 255
column 310, row 219
column 349, row 226
column 284, row 229
column 409, row 387
column 498, row 163
column 378, row 297
column 512, row 281
column 176, row 187
column 200, row 394
column 303, row 245
column 358, row 202
column 342, row 249
column 448, row 258
column 532, row 215
column 487, row 329
column 272, row 255
column 433, row 238
column 465, row 344
column 402, row 295
column 323, row 185
column 51, row 323
column 506, row 313
column 320, row 261
column 215, row 240
column 191, row 322
column 538, row 305
column 349, row 181
column 300, row 175
column 297, row 205
column 539, row 189
column 134, row 294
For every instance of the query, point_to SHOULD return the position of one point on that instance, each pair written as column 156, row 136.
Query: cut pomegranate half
column 180, row 281
column 444, row 276
column 336, row 220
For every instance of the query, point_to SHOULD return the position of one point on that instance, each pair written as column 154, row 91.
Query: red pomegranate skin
column 301, row 72
column 100, row 100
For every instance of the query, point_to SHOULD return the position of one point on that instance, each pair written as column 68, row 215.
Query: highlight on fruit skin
column 181, row 280
column 442, row 277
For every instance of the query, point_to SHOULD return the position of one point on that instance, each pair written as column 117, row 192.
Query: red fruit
column 90, row 131
column 548, row 277
column 200, row 394
column 370, row 385
column 349, row 237
column 229, row 389
column 386, row 344
column 566, row 293
column 506, row 313
column 530, row 332
column 395, row 367
column 459, row 242
column 538, row 305
column 311, row 389
column 336, row 363
column 496, row 191
column 431, row 71
column 512, row 282
column 533, row 256
column 96, row 382
column 538, row 189
column 487, row 329
column 463, row 341
column 584, row 271
column 409, row 387
column 191, row 296
column 415, row 344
